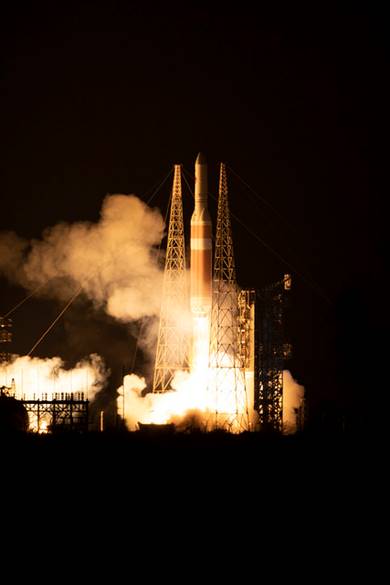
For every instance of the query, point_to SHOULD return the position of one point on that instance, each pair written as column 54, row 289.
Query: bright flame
column 43, row 427
column 207, row 396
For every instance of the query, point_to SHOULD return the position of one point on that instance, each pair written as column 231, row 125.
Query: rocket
column 201, row 245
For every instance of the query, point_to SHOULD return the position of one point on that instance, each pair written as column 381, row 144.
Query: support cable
column 31, row 294
column 158, row 257
column 265, row 202
column 74, row 296
column 313, row 285
column 187, row 183
column 158, row 187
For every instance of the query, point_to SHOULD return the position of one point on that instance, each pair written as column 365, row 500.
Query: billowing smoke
column 114, row 262
column 183, row 405
column 36, row 378
column 187, row 403
column 293, row 395
column 130, row 402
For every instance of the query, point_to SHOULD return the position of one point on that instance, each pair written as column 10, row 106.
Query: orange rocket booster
column 201, row 247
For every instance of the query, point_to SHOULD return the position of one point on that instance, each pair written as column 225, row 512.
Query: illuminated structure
column 65, row 411
column 227, row 383
column 236, row 348
column 246, row 346
column 271, row 353
column 5, row 339
column 173, row 344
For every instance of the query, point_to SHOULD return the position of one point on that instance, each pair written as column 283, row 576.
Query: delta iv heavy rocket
column 201, row 245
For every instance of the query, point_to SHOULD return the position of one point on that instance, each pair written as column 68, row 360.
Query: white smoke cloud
column 132, row 405
column 114, row 261
column 293, row 395
column 34, row 378
column 176, row 405
column 187, row 406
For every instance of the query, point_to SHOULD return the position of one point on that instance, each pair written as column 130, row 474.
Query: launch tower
column 229, row 340
column 5, row 339
column 173, row 344
column 227, row 383
column 271, row 354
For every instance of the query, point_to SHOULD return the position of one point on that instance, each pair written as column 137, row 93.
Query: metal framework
column 69, row 412
column 271, row 353
column 227, row 382
column 246, row 307
column 173, row 344
column 5, row 339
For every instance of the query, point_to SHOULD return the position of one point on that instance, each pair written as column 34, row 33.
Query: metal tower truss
column 173, row 344
column 67, row 413
column 228, row 397
column 271, row 354
column 5, row 339
column 246, row 304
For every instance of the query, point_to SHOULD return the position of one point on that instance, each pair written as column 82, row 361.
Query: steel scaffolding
column 68, row 413
column 173, row 344
column 271, row 353
column 5, row 339
column 227, row 383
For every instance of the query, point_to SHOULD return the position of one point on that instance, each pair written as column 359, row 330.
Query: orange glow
column 216, row 397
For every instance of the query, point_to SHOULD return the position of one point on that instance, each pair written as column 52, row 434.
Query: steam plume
column 114, row 261
column 293, row 395
column 35, row 377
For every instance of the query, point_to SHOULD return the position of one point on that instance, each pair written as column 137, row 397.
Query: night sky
column 104, row 97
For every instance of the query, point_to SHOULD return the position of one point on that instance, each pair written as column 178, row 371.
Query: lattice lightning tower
column 173, row 344
column 227, row 383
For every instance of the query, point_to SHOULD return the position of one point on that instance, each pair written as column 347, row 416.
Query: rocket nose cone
column 200, row 159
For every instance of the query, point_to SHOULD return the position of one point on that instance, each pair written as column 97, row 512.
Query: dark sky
column 101, row 97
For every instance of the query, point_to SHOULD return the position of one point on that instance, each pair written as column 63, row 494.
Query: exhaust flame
column 194, row 403
column 205, row 397
column 115, row 263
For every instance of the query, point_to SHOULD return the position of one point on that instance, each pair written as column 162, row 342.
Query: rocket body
column 201, row 244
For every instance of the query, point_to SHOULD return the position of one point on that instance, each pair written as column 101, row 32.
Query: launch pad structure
column 5, row 339
column 59, row 412
column 271, row 353
column 232, row 338
column 62, row 411
column 173, row 348
column 245, row 328
column 65, row 412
